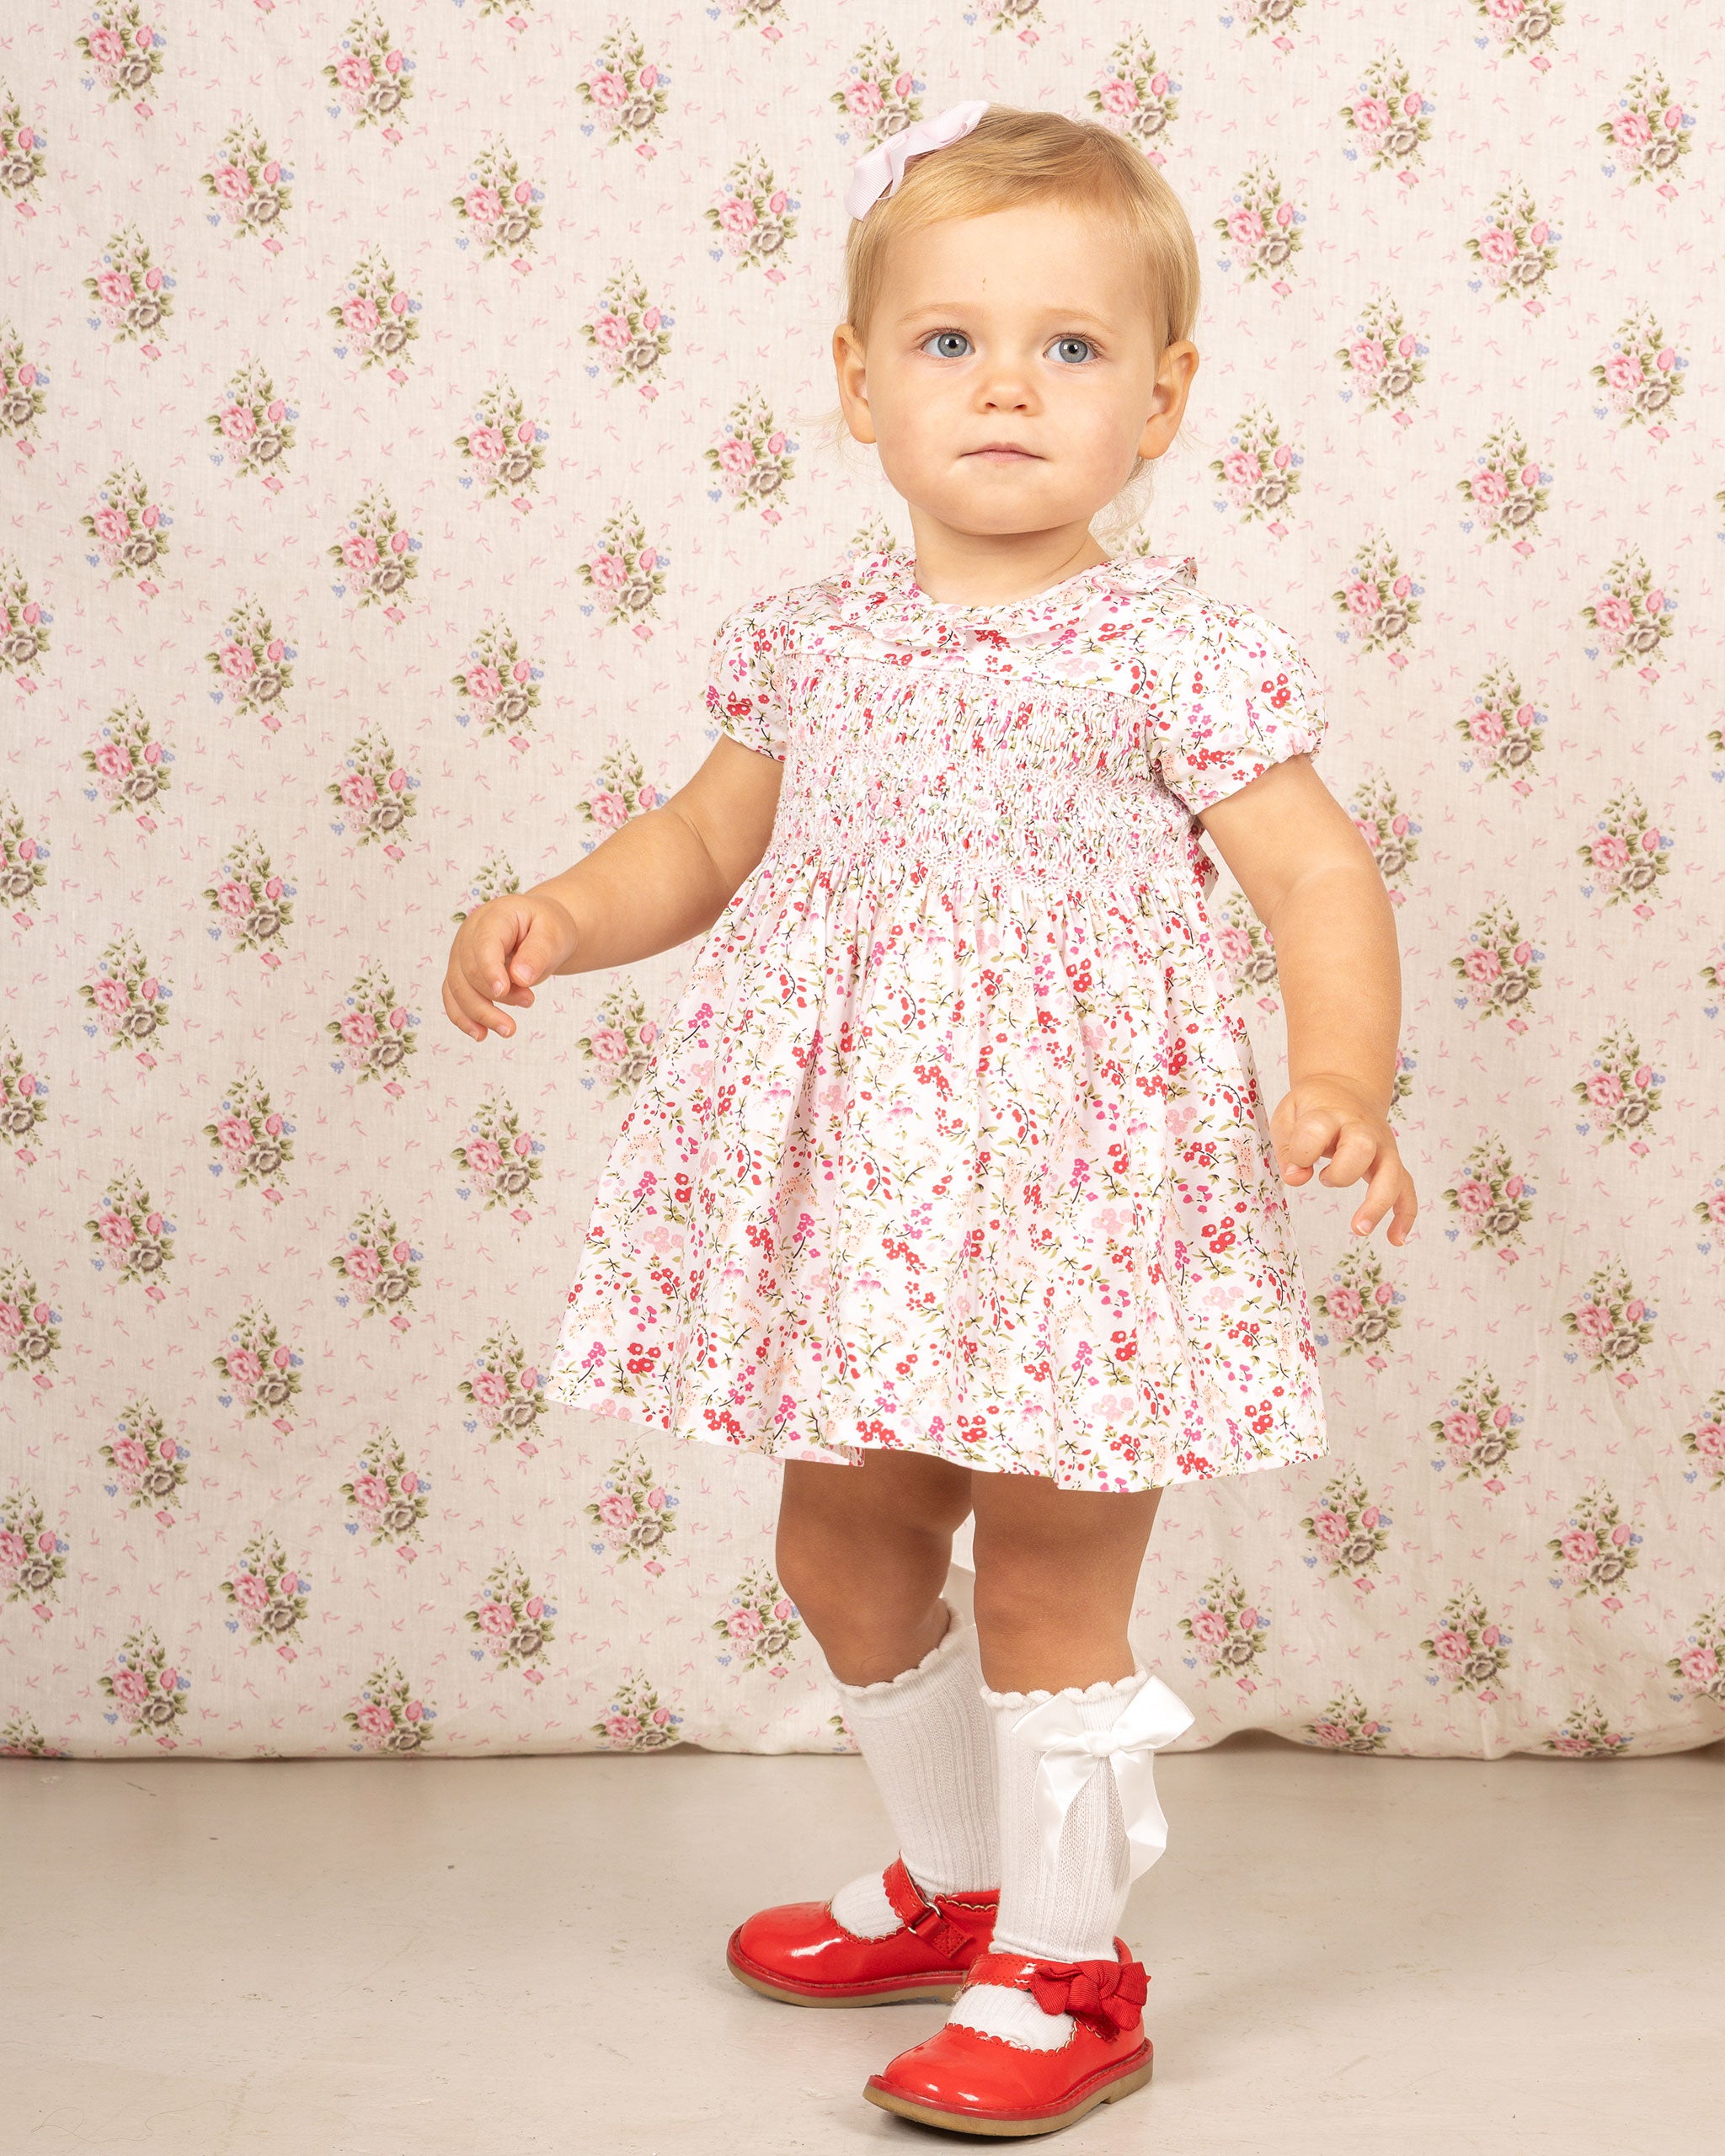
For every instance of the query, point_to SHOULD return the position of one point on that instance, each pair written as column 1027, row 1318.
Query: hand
column 1334, row 1116
column 500, row 950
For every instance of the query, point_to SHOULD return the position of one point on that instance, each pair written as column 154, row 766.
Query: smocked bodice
column 1069, row 739
column 937, row 772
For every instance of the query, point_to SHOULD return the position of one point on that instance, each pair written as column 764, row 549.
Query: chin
column 1003, row 511
column 994, row 524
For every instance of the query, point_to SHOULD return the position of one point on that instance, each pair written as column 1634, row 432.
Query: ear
column 1178, row 364
column 849, row 365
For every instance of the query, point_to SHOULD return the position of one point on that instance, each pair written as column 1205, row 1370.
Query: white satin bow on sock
column 1070, row 1754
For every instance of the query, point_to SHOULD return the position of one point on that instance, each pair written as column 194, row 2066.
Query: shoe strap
column 917, row 1913
column 1109, row 1995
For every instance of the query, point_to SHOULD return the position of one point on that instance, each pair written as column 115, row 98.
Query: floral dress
column 953, row 1143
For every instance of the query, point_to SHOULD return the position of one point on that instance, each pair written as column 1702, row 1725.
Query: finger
column 1352, row 1156
column 1406, row 1209
column 481, row 983
column 478, row 1008
column 1281, row 1123
column 1281, row 1128
column 1380, row 1193
column 484, row 962
column 539, row 952
column 457, row 1016
column 1312, row 1137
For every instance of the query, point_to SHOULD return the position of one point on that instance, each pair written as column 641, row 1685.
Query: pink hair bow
column 881, row 171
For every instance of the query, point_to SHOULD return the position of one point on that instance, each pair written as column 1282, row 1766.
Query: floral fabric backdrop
column 391, row 406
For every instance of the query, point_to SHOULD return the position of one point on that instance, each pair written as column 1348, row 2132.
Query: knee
column 867, row 1586
column 1052, row 1610
column 1038, row 1570
column 833, row 1560
column 804, row 1569
column 817, row 1558
column 1046, row 1560
column 1015, row 1595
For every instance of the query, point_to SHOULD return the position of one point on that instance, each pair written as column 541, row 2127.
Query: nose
column 1005, row 386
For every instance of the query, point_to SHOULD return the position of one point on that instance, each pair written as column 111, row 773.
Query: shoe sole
column 939, row 1988
column 1003, row 2128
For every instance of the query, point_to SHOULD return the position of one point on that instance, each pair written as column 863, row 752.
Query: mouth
column 1002, row 453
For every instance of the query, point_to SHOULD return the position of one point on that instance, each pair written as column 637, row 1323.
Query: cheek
column 915, row 422
column 1103, row 431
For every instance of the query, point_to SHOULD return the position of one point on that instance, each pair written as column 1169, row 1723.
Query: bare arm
column 667, row 875
column 1311, row 879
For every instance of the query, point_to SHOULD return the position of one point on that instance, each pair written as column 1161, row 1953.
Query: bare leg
column 863, row 1553
column 1056, row 1574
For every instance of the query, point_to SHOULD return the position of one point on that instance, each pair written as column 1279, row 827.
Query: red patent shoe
column 801, row 1953
column 973, row 2083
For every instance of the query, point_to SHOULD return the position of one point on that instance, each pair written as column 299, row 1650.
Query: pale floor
column 522, row 1956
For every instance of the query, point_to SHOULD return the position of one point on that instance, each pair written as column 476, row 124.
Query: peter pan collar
column 878, row 595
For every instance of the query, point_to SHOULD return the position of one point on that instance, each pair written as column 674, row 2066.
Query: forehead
column 1043, row 257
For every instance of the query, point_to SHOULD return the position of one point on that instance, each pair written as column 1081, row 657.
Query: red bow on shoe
column 1109, row 1992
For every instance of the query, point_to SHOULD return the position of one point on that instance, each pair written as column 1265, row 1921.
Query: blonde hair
column 1014, row 155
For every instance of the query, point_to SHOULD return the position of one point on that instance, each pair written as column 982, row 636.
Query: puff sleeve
column 744, row 697
column 1238, row 697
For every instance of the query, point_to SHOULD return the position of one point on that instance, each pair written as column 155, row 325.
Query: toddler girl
column 951, row 1167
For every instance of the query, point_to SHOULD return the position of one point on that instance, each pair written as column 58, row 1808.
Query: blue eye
column 947, row 344
column 1073, row 350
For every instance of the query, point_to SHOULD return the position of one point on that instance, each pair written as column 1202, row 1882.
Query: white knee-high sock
column 929, row 1742
column 1057, row 1910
